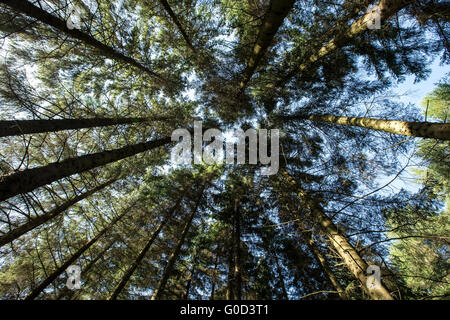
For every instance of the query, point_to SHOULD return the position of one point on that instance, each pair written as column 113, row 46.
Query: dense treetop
column 91, row 91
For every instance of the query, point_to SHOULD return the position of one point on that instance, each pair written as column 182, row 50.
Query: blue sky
column 414, row 93
column 417, row 91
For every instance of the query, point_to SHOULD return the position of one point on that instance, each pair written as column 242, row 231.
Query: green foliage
column 248, row 230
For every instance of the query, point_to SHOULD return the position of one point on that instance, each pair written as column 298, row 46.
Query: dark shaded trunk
column 30, row 10
column 142, row 254
column 52, row 277
column 280, row 275
column 189, row 282
column 39, row 220
column 176, row 251
column 66, row 292
column 237, row 277
column 214, row 278
column 30, row 179
column 351, row 258
column 230, row 262
column 278, row 10
column 415, row 129
column 177, row 22
column 19, row 127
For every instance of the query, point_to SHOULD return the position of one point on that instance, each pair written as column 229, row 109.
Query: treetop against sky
column 119, row 174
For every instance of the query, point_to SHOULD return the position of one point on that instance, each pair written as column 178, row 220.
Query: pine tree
column 81, row 108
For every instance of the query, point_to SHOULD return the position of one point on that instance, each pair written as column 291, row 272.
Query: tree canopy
column 92, row 91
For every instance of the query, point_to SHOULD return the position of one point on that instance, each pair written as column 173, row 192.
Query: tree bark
column 387, row 9
column 142, row 254
column 214, row 278
column 324, row 264
column 230, row 281
column 36, row 291
column 415, row 129
column 177, row 22
column 189, row 282
column 30, row 179
column 280, row 275
column 19, row 127
column 278, row 10
column 30, row 10
column 176, row 251
column 349, row 255
column 237, row 277
column 39, row 220
column 70, row 293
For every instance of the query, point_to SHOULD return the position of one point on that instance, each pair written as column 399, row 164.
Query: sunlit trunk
column 416, row 129
column 324, row 264
column 387, row 9
column 351, row 258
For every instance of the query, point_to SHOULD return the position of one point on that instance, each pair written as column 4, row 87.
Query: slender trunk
column 348, row 254
column 416, row 129
column 324, row 264
column 36, row 291
column 19, row 127
column 237, row 252
column 70, row 293
column 214, row 278
column 39, row 220
column 353, row 9
column 278, row 10
column 387, row 9
column 176, row 251
column 230, row 280
column 189, row 282
column 281, row 277
column 177, row 22
column 30, row 10
column 142, row 254
column 30, row 179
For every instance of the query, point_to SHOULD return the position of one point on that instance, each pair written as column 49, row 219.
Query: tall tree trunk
column 52, row 277
column 176, row 251
column 39, row 220
column 30, row 179
column 280, row 275
column 278, row 10
column 66, row 292
column 237, row 287
column 323, row 263
column 214, row 278
column 19, row 127
column 387, row 9
column 349, row 255
column 189, row 282
column 416, row 129
column 230, row 261
column 177, row 22
column 30, row 10
column 142, row 254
